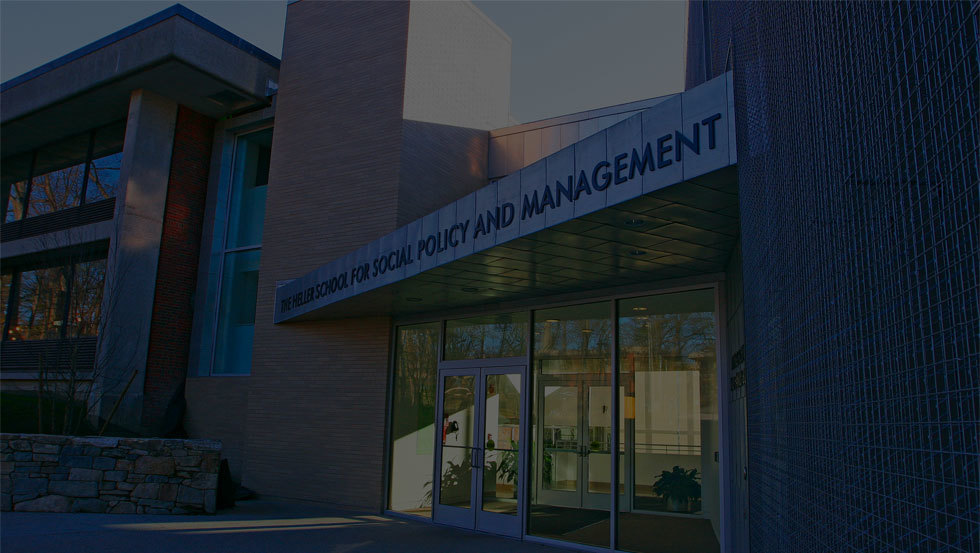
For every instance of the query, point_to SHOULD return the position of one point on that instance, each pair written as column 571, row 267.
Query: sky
column 567, row 56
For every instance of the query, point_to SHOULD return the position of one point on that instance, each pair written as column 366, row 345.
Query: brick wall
column 170, row 330
column 316, row 400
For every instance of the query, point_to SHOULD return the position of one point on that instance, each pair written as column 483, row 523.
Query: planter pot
column 675, row 505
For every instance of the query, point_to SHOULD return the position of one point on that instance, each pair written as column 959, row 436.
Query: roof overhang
column 175, row 53
column 651, row 198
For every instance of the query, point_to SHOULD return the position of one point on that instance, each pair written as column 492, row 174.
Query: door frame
column 475, row 518
column 713, row 281
column 586, row 499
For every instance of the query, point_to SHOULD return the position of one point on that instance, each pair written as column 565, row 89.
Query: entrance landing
column 258, row 526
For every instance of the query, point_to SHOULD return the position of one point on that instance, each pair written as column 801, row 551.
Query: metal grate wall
column 858, row 129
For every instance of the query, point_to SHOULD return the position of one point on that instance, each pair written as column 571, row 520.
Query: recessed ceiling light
column 633, row 223
column 637, row 252
column 639, row 309
column 551, row 320
column 586, row 330
column 413, row 300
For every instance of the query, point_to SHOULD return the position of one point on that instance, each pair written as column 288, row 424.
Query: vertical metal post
column 614, row 454
column 88, row 167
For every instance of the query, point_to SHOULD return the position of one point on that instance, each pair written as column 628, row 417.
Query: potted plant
column 678, row 487
column 506, row 468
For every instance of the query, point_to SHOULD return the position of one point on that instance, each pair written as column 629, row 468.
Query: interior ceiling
column 104, row 104
column 684, row 230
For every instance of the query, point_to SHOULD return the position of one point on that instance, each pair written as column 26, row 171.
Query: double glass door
column 575, row 425
column 479, row 476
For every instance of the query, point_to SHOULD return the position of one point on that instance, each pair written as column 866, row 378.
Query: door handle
column 473, row 459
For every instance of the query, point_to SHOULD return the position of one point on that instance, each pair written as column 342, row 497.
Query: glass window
column 56, row 190
column 236, row 316
column 501, row 335
column 15, row 201
column 15, row 171
column 86, row 297
column 41, row 304
column 249, row 185
column 235, row 251
column 572, row 423
column 103, row 178
column 413, row 419
column 667, row 366
column 6, row 281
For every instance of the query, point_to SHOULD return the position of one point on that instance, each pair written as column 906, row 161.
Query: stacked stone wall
column 108, row 475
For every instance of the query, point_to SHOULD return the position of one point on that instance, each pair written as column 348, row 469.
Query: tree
column 62, row 310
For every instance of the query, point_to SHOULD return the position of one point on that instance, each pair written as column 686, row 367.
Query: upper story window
column 53, row 298
column 235, row 253
column 79, row 170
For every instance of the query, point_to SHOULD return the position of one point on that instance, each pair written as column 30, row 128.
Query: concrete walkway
column 260, row 526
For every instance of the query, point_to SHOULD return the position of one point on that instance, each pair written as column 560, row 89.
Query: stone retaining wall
column 108, row 475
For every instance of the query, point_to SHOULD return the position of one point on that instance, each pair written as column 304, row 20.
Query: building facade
column 750, row 308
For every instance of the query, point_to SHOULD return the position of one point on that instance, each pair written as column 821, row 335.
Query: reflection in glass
column 238, row 220
column 251, row 177
column 236, row 315
column 501, row 335
column 413, row 418
column 41, row 304
column 16, row 201
column 667, row 365
column 458, row 419
column 6, row 281
column 86, row 297
column 571, row 424
column 502, row 443
column 103, row 178
column 56, row 190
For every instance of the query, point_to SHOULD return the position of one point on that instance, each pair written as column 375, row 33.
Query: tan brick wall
column 316, row 398
column 216, row 409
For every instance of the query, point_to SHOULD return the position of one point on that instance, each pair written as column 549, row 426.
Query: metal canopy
column 684, row 230
column 650, row 198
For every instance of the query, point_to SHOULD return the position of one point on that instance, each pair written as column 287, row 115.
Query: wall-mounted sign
column 683, row 137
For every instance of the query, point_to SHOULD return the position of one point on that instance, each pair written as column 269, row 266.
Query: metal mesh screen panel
column 858, row 128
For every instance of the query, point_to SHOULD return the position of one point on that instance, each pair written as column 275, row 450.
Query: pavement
column 258, row 525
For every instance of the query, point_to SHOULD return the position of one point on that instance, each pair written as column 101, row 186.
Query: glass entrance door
column 478, row 482
column 576, row 432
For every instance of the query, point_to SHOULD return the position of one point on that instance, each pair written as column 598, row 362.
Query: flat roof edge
column 175, row 10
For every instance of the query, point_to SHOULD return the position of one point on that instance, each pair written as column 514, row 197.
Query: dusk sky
column 566, row 57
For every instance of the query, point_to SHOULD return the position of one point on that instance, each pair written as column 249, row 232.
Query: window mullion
column 30, row 184
column 88, row 165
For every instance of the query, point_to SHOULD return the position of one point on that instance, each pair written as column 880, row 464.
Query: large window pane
column 86, row 298
column 41, row 304
column 571, row 423
column 56, row 190
column 501, row 473
column 667, row 366
column 413, row 419
column 501, row 335
column 250, row 178
column 236, row 316
column 103, row 178
column 6, row 281
column 15, row 201
column 458, row 420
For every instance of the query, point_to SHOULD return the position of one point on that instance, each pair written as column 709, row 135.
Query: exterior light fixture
column 633, row 223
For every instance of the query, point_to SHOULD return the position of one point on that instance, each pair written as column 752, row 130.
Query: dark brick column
column 170, row 329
